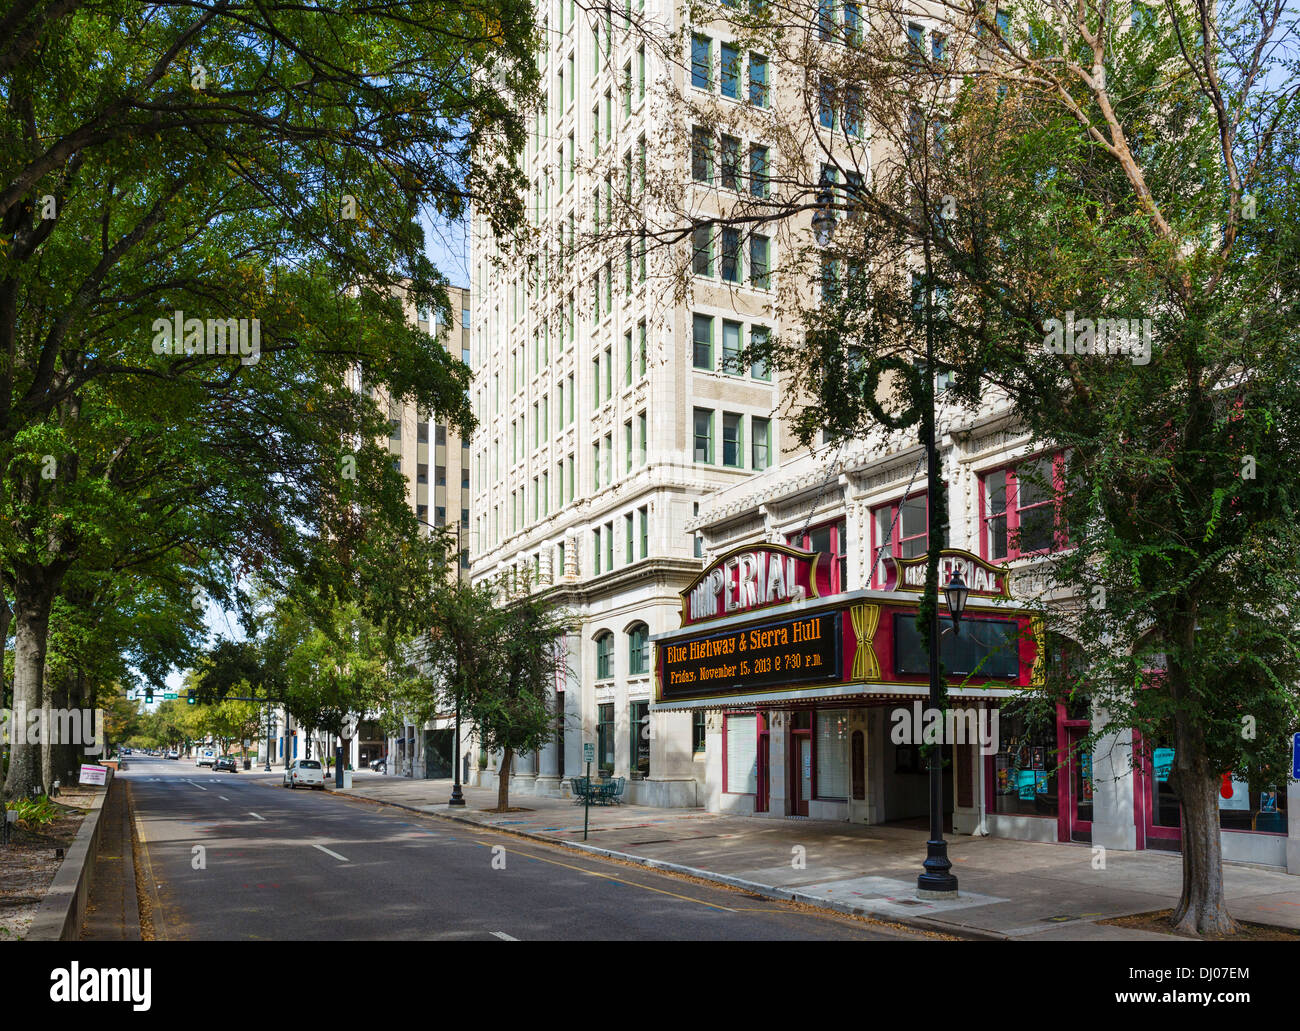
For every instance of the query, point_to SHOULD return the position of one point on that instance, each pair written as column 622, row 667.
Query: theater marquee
column 801, row 650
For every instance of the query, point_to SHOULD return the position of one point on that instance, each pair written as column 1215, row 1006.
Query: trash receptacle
column 248, row 763
column 347, row 779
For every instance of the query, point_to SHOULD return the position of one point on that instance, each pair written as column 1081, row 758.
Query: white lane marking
column 341, row 859
column 262, row 818
column 199, row 786
column 503, row 936
column 223, row 798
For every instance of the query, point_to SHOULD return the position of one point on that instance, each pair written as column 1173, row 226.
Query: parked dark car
column 227, row 763
column 379, row 765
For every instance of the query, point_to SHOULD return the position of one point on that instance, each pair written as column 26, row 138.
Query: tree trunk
column 503, row 779
column 1202, row 908
column 32, row 602
column 6, row 614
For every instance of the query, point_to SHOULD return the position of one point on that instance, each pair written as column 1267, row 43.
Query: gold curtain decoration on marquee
column 865, row 618
column 1038, row 675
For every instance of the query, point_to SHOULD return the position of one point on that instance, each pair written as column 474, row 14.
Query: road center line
column 256, row 817
column 611, row 877
column 341, row 859
column 199, row 786
column 503, row 936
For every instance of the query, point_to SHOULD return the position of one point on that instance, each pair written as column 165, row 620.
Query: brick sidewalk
column 1008, row 889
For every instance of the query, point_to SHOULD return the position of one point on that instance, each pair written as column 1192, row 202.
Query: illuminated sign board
column 799, row 650
column 755, row 577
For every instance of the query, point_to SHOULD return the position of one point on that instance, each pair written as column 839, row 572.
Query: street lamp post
column 937, row 880
column 457, row 798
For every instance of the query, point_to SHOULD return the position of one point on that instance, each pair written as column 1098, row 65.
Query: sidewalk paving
column 1008, row 889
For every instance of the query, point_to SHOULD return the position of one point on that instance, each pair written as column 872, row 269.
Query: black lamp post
column 457, row 798
column 937, row 880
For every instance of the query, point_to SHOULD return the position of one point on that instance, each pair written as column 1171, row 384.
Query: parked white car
column 305, row 772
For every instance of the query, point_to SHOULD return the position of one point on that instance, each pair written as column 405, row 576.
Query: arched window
column 638, row 655
column 605, row 656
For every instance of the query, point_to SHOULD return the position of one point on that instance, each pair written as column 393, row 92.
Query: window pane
column 758, row 268
column 731, row 255
column 758, row 80
column 703, row 330
column 730, row 71
column 701, row 159
column 701, row 62
column 758, row 338
column 730, row 163
column 702, row 257
column 731, row 439
column 703, row 435
column 730, row 346
column 758, row 171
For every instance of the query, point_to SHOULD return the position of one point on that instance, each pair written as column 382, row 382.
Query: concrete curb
column 766, row 890
column 63, row 909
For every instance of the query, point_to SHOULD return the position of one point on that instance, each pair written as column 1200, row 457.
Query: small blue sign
column 1295, row 756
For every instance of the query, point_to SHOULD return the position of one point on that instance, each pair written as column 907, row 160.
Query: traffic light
column 189, row 697
column 148, row 695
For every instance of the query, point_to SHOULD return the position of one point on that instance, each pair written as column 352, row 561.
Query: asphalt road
column 237, row 856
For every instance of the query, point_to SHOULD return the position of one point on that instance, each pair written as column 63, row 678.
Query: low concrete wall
column 64, row 907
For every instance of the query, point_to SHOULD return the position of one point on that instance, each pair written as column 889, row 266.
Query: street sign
column 1295, row 756
column 169, row 696
column 589, row 752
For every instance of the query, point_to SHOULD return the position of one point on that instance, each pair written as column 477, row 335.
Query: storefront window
column 1249, row 800
column 832, row 752
column 740, row 741
column 1024, row 772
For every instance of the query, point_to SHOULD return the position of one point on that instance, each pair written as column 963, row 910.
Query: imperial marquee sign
column 801, row 650
column 755, row 577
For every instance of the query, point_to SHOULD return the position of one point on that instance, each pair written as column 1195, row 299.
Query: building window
column 702, row 256
column 730, row 71
column 731, row 255
column 740, row 754
column 699, row 731
column 732, row 445
column 826, row 104
column 701, row 155
column 1022, row 509
column 703, row 435
column 758, row 171
column 638, row 656
column 831, row 749
column 640, row 329
column 758, row 340
column 758, row 95
column 731, row 347
column 643, row 514
column 639, row 713
column 900, row 530
column 605, row 738
column 595, row 563
column 605, row 656
column 831, row 538
column 702, row 62
column 703, row 341
column 729, row 160
column 761, row 443
column 759, row 272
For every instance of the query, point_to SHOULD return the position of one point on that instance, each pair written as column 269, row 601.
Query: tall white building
column 606, row 407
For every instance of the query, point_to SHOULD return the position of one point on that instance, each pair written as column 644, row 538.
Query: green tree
column 500, row 657
column 210, row 161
